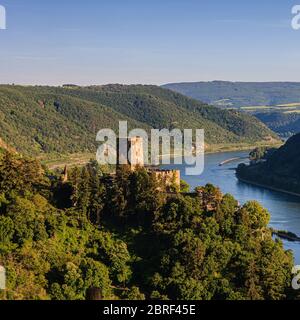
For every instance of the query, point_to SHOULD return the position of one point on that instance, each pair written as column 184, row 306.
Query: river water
column 284, row 208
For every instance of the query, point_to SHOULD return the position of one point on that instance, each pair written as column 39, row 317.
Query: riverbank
column 216, row 148
column 79, row 159
column 286, row 235
column 268, row 187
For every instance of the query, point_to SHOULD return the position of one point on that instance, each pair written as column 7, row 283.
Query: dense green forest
column 279, row 170
column 63, row 120
column 284, row 124
column 118, row 234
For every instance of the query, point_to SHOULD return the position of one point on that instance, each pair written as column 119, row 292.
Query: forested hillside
column 285, row 124
column 276, row 104
column 119, row 235
column 240, row 94
column 281, row 170
column 46, row 120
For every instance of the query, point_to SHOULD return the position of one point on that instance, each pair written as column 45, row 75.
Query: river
column 284, row 208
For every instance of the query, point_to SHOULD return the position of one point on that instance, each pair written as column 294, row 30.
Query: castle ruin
column 131, row 152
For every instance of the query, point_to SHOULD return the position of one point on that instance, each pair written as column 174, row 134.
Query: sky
column 148, row 41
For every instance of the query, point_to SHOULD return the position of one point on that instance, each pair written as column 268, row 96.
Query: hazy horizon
column 137, row 83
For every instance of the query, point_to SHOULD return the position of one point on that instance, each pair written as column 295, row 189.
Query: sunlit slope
column 45, row 120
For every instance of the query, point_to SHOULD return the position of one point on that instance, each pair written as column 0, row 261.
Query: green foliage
column 261, row 153
column 51, row 253
column 133, row 241
column 224, row 255
column 257, row 216
column 19, row 175
column 184, row 186
column 64, row 120
column 134, row 196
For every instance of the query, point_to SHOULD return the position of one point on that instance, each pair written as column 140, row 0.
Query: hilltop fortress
column 131, row 153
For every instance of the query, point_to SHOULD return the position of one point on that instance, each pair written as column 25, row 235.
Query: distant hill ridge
column 45, row 120
column 239, row 94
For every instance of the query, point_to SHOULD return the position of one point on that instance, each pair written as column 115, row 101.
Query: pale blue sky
column 153, row 41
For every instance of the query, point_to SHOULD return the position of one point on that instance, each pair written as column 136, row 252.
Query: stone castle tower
column 130, row 151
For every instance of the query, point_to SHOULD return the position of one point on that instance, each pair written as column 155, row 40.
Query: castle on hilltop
column 131, row 153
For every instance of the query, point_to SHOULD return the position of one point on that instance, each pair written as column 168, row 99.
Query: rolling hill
column 280, row 170
column 240, row 94
column 277, row 104
column 38, row 120
column 285, row 124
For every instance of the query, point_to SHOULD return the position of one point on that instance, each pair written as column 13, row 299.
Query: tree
column 184, row 186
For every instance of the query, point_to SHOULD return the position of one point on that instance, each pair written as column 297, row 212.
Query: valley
column 276, row 104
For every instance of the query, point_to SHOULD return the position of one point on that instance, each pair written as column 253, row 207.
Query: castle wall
column 168, row 177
